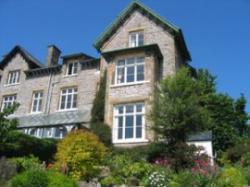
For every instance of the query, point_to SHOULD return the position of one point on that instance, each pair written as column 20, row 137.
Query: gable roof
column 32, row 61
column 136, row 5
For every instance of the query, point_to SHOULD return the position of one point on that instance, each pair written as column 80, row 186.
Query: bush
column 19, row 145
column 57, row 179
column 31, row 178
column 235, row 153
column 158, row 177
column 103, row 131
column 26, row 163
column 231, row 177
column 7, row 170
column 182, row 179
column 82, row 153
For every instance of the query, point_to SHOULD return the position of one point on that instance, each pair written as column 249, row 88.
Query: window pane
column 70, row 69
column 130, row 74
column 120, row 121
column 69, row 101
column 130, row 61
column 120, row 109
column 129, row 108
column 129, row 133
column 138, row 132
column 120, row 132
column 141, row 39
column 140, row 60
column 139, row 107
column 75, row 68
column 57, row 132
column 63, row 102
column 132, row 40
column 139, row 120
column 121, row 63
column 129, row 121
column 120, row 75
column 74, row 100
column 140, row 72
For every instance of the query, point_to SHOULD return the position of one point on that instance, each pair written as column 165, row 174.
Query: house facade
column 137, row 50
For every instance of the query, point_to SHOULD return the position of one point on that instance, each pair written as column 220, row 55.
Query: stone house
column 138, row 49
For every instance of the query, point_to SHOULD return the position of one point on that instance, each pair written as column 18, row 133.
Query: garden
column 193, row 105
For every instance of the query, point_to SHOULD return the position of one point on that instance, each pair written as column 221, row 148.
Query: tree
column 177, row 111
column 7, row 124
column 97, row 124
column 241, row 116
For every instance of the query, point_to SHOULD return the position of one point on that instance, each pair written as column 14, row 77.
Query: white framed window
column 13, row 77
column 72, row 68
column 129, row 123
column 8, row 101
column 136, row 39
column 49, row 132
column 130, row 70
column 68, row 99
column 37, row 99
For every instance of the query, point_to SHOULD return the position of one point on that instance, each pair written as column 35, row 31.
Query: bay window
column 129, row 123
column 130, row 70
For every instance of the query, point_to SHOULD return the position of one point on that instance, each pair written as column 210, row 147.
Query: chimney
column 53, row 55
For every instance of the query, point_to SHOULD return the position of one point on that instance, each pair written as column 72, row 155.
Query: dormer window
column 136, row 39
column 14, row 77
column 72, row 68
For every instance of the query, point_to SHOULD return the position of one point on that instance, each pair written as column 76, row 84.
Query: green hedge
column 18, row 144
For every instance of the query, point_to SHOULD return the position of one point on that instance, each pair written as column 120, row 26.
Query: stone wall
column 86, row 80
column 153, row 34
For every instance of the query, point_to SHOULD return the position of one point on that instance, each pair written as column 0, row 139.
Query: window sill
column 8, row 85
column 129, row 84
column 67, row 110
column 68, row 76
column 130, row 141
column 35, row 113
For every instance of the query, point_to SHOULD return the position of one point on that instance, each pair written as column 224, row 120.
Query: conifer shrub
column 82, row 153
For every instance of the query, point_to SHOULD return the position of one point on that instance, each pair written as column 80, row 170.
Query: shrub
column 57, row 179
column 231, row 177
column 246, row 171
column 31, row 178
column 26, row 163
column 7, row 170
column 182, row 179
column 235, row 153
column 19, row 144
column 112, row 180
column 82, row 152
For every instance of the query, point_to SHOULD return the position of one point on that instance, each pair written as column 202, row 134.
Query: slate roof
column 55, row 119
column 202, row 136
column 33, row 62
column 75, row 55
column 136, row 5
column 43, row 71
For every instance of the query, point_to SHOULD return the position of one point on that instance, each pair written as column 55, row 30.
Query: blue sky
column 217, row 32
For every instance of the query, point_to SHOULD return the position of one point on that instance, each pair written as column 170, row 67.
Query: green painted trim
column 132, row 6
